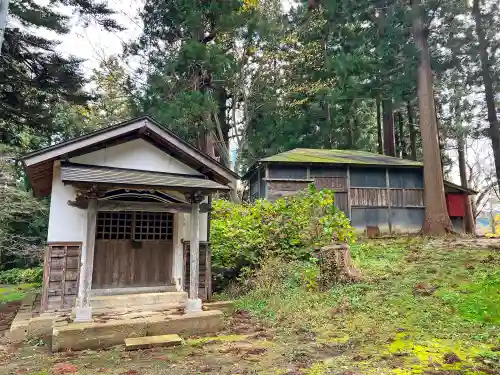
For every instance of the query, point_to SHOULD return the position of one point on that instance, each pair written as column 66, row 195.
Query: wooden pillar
column 388, row 192
column 84, row 310
column 194, row 266
column 194, row 302
column 178, row 255
column 348, row 183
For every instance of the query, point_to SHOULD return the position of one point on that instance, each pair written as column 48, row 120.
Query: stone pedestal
column 83, row 314
column 193, row 305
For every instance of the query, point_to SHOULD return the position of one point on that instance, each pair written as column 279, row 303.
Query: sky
column 93, row 43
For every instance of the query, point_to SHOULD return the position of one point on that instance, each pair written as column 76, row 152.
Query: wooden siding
column 414, row 197
column 341, row 202
column 287, row 171
column 368, row 177
column 407, row 197
column 127, row 263
column 368, row 197
column 333, row 183
column 327, row 171
column 279, row 189
column 205, row 277
column 61, row 276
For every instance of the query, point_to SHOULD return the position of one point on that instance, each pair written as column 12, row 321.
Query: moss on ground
column 10, row 293
column 420, row 308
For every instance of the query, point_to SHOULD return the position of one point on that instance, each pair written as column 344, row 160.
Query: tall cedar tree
column 34, row 78
column 188, row 47
column 437, row 221
column 488, row 81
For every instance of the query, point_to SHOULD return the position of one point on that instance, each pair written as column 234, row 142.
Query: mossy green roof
column 310, row 155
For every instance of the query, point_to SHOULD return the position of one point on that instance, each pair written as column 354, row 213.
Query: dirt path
column 7, row 313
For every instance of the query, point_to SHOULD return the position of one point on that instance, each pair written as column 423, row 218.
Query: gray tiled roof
column 118, row 176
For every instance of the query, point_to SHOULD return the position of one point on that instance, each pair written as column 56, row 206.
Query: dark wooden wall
column 388, row 199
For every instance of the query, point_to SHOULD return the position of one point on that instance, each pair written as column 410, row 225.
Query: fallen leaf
column 64, row 368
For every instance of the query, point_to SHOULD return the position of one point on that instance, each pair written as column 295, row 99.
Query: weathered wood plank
column 397, row 197
column 117, row 206
column 414, row 197
column 367, row 197
column 150, row 264
column 89, row 254
column 334, row 182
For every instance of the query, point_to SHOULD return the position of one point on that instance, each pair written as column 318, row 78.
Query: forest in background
column 413, row 79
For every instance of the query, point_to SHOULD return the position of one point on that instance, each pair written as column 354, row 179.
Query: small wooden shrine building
column 129, row 206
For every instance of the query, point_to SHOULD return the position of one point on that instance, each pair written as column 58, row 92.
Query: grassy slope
column 9, row 293
column 385, row 323
column 378, row 326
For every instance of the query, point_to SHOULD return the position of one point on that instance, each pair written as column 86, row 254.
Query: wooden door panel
column 122, row 263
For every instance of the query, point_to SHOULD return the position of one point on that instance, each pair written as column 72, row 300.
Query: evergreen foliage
column 34, row 77
column 242, row 235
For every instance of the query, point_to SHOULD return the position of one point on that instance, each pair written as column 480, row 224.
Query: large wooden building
column 378, row 193
column 128, row 214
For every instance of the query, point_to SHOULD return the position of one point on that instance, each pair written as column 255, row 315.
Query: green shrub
column 22, row 276
column 291, row 228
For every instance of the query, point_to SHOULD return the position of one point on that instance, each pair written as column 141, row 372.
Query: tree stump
column 336, row 266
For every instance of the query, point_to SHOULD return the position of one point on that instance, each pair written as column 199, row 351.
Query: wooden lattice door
column 133, row 249
column 61, row 276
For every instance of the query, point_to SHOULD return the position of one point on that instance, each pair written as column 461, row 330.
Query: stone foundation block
column 195, row 323
column 79, row 336
column 227, row 307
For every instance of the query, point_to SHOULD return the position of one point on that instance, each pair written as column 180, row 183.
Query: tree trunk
column 379, row 128
column 437, row 221
column 488, row 87
column 469, row 217
column 413, row 135
column 401, row 143
column 397, row 136
column 389, row 138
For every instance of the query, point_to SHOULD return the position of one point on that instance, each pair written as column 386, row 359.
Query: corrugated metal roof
column 118, row 176
column 309, row 155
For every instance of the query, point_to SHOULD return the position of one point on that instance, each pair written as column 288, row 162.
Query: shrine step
column 145, row 301
column 147, row 342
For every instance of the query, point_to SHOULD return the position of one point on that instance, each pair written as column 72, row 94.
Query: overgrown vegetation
column 23, row 227
column 16, row 276
column 291, row 228
column 416, row 303
column 422, row 307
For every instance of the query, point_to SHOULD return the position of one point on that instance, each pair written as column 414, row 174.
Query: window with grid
column 153, row 226
column 114, row 225
column 138, row 226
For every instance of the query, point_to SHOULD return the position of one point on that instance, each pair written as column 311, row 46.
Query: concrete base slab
column 227, row 307
column 193, row 305
column 83, row 314
column 152, row 341
column 195, row 323
column 106, row 333
column 139, row 300
column 41, row 326
column 79, row 336
column 133, row 290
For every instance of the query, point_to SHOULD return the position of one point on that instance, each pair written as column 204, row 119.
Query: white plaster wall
column 66, row 223
column 136, row 154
